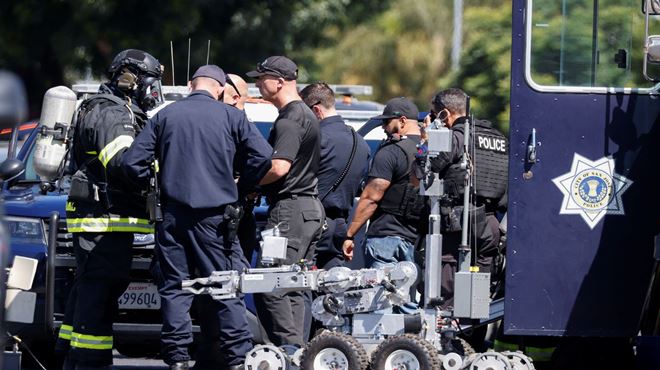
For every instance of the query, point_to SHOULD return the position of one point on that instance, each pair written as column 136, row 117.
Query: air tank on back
column 57, row 113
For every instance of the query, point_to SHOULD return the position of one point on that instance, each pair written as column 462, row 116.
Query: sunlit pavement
column 125, row 363
column 129, row 363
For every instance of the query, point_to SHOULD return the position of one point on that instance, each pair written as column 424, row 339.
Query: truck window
column 585, row 43
column 30, row 175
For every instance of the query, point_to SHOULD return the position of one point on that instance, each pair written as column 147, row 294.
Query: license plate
column 140, row 296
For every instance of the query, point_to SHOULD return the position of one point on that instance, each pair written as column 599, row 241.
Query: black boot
column 179, row 366
column 236, row 367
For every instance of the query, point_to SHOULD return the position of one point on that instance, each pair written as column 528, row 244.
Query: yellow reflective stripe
column 92, row 152
column 70, row 207
column 156, row 167
column 65, row 332
column 91, row 341
column 108, row 224
column 110, row 150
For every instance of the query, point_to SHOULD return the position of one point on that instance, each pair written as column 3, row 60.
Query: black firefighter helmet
column 137, row 74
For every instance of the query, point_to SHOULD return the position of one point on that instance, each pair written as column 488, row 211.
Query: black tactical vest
column 491, row 163
column 402, row 196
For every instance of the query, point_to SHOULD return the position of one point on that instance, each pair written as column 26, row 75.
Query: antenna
column 208, row 52
column 188, row 75
column 172, row 56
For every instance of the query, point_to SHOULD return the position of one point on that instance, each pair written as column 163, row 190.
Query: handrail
column 50, row 272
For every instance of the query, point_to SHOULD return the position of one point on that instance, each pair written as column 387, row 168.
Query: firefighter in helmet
column 103, row 210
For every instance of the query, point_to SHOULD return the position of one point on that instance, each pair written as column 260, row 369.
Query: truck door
column 584, row 188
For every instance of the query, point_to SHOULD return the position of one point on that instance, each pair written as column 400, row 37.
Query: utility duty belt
column 277, row 197
column 451, row 214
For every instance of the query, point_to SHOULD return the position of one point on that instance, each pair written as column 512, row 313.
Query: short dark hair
column 453, row 99
column 318, row 93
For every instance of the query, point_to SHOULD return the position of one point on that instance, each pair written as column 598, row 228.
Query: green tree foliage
column 54, row 42
column 405, row 52
column 402, row 48
column 486, row 62
column 401, row 52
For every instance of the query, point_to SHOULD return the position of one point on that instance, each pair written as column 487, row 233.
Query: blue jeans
column 387, row 250
column 384, row 250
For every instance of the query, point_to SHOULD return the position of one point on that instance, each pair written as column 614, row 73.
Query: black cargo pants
column 103, row 263
column 300, row 219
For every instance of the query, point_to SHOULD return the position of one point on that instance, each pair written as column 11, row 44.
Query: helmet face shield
column 150, row 93
column 138, row 74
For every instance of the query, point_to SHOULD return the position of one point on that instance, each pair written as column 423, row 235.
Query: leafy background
column 402, row 48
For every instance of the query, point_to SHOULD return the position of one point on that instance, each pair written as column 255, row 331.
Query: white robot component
column 391, row 283
column 266, row 357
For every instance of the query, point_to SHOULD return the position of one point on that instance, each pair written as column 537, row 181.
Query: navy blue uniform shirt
column 195, row 140
column 336, row 145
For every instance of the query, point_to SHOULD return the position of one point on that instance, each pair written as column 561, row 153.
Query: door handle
column 531, row 149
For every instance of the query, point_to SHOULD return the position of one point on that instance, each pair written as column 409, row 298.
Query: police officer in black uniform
column 103, row 208
column 490, row 161
column 291, row 189
column 390, row 199
column 344, row 162
column 194, row 141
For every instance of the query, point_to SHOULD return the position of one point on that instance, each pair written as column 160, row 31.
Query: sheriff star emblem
column 592, row 189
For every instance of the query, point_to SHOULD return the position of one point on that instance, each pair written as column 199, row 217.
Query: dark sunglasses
column 232, row 84
column 262, row 69
column 312, row 105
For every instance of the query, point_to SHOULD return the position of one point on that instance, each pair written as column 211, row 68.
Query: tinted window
column 593, row 43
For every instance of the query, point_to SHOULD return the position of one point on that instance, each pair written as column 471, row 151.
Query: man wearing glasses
column 389, row 200
column 236, row 91
column 291, row 189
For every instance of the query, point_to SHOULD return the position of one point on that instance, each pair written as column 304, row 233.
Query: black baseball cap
column 278, row 66
column 399, row 107
column 211, row 71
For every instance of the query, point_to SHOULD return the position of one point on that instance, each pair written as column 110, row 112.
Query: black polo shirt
column 296, row 137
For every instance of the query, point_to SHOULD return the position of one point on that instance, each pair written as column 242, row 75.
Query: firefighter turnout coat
column 101, row 198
